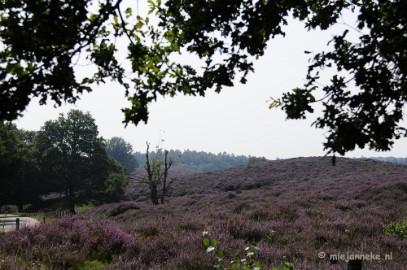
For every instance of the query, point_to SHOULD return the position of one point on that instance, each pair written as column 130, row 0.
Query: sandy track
column 7, row 222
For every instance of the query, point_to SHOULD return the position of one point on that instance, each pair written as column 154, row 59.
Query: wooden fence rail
column 10, row 221
column 57, row 214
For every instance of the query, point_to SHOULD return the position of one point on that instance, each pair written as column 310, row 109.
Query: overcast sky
column 235, row 121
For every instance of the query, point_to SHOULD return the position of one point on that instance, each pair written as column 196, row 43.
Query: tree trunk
column 71, row 198
column 166, row 186
column 154, row 195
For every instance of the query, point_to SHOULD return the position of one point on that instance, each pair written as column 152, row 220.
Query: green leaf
column 206, row 242
column 128, row 12
column 274, row 104
column 116, row 19
column 139, row 25
column 220, row 254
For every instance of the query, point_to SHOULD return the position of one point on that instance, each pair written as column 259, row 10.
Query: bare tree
column 166, row 185
column 157, row 175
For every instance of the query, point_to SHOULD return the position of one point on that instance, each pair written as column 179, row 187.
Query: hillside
column 296, row 208
column 294, row 173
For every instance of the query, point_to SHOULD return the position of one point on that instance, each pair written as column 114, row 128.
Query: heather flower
column 69, row 241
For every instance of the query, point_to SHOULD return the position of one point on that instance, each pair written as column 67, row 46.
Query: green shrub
column 397, row 229
column 8, row 209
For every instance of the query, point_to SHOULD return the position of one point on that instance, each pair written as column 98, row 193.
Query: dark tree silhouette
column 41, row 41
column 157, row 179
column 122, row 152
column 73, row 154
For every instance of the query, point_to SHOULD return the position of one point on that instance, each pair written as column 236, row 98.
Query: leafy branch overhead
column 41, row 41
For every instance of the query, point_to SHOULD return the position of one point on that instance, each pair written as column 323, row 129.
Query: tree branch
column 124, row 26
column 93, row 28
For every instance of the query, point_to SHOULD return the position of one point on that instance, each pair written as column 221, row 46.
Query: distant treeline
column 203, row 161
column 392, row 159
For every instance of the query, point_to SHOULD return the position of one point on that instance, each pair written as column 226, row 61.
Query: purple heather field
column 300, row 208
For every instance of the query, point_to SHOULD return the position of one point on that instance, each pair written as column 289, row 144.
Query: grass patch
column 92, row 265
column 82, row 208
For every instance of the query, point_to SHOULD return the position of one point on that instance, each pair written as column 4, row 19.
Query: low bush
column 397, row 229
column 68, row 242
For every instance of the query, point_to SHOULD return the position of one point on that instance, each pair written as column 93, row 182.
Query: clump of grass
column 148, row 231
column 241, row 207
column 82, row 208
column 247, row 231
column 211, row 204
column 259, row 215
column 286, row 213
column 190, row 226
column 92, row 265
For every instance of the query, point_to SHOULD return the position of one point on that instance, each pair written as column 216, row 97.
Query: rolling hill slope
column 295, row 208
column 297, row 173
column 304, row 209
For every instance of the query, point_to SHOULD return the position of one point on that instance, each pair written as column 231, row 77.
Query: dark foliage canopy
column 122, row 152
column 65, row 156
column 74, row 156
column 20, row 179
column 362, row 105
column 11, row 161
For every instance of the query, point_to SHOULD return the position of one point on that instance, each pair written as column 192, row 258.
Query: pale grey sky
column 235, row 121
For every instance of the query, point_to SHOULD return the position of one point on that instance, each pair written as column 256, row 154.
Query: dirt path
column 8, row 222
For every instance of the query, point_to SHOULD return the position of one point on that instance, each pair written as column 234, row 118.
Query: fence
column 57, row 214
column 9, row 222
